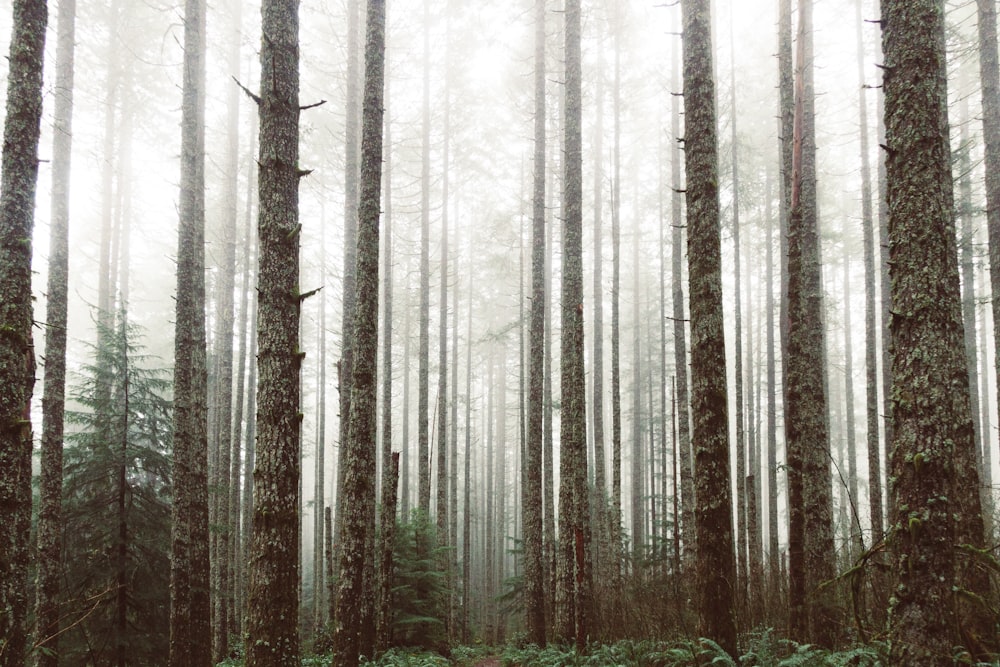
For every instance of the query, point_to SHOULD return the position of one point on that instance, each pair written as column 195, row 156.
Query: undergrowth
column 763, row 649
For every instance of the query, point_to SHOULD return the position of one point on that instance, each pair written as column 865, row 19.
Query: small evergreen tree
column 420, row 591
column 117, row 496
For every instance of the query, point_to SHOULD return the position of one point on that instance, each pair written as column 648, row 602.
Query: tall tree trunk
column 190, row 604
column 122, row 492
column 17, row 357
column 442, row 400
column 741, row 445
column 352, row 149
column 352, row 638
column 811, row 545
column 250, row 432
column 467, row 488
column 964, row 212
column 54, row 397
column 871, row 332
column 716, row 566
column 224, row 364
column 319, row 484
column 936, row 504
column 989, row 72
column 851, row 504
column 404, row 457
column 602, row 526
column 773, row 552
column 387, row 540
column 688, row 533
column 273, row 595
column 786, row 116
column 534, row 570
column 574, row 524
column 423, row 381
column 857, row 539
column 639, row 555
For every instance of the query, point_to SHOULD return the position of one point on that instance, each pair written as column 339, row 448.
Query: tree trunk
column 534, row 570
column 773, row 552
column 741, row 445
column 17, row 358
column 423, row 381
column 856, row 537
column 871, row 332
column 54, row 397
column 811, row 551
column 574, row 524
column 387, row 540
column 989, row 71
column 190, row 605
column 680, row 328
column 273, row 596
column 936, row 504
column 224, row 363
column 716, row 567
column 351, row 639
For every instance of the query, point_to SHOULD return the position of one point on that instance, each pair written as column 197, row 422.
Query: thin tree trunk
column 353, row 636
column 50, row 520
column 813, row 616
column 989, row 72
column 423, row 380
column 224, row 363
column 741, row 447
column 773, row 553
column 871, row 332
column 856, row 536
column 534, row 570
column 190, row 604
column 387, row 539
column 680, row 327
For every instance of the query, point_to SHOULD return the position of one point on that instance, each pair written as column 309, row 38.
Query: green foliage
column 419, row 593
column 116, row 500
column 767, row 650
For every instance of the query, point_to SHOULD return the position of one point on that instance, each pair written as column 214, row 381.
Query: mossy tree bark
column 54, row 397
column 574, row 505
column 190, row 605
column 18, row 177
column 810, row 544
column 273, row 594
column 935, row 507
column 534, row 571
column 716, row 564
column 352, row 637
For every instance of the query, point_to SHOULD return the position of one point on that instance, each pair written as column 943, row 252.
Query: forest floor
column 490, row 662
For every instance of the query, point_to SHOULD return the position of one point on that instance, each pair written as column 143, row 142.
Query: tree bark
column 813, row 616
column 190, row 603
column 534, row 571
column 574, row 524
column 688, row 499
column 989, row 72
column 351, row 636
column 54, row 397
column 936, row 506
column 716, row 566
column 387, row 540
column 273, row 596
column 17, row 357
